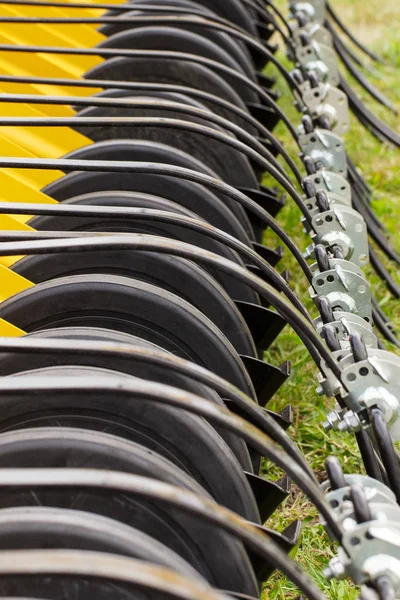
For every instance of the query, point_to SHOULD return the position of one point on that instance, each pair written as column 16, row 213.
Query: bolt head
column 336, row 569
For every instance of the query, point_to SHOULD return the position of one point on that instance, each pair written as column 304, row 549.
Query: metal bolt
column 309, row 251
column 333, row 421
column 350, row 422
column 335, row 570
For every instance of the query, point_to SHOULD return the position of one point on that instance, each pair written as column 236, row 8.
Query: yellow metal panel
column 73, row 35
column 11, row 283
column 13, row 188
column 46, row 142
column 37, row 178
column 39, row 65
column 42, row 109
column 43, row 65
column 45, row 90
column 8, row 223
column 9, row 330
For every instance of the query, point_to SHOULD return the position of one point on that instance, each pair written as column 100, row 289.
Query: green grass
column 377, row 25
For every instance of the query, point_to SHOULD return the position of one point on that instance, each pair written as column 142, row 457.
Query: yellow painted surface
column 9, row 330
column 8, row 223
column 19, row 185
column 37, row 178
column 11, row 283
column 46, row 142
column 76, row 36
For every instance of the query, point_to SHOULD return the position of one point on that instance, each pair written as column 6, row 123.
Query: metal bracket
column 374, row 382
column 330, row 101
column 314, row 9
column 320, row 58
column 331, row 182
column 347, row 324
column 376, row 493
column 326, row 148
column 371, row 549
column 311, row 204
column 316, row 32
column 343, row 227
column 345, row 287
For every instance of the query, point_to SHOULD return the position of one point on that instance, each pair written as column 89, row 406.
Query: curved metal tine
column 360, row 502
column 99, row 5
column 162, row 169
column 355, row 41
column 357, row 179
column 266, row 17
column 351, row 54
column 358, row 75
column 128, row 353
column 322, row 357
column 368, row 119
column 168, row 395
column 335, row 473
column 148, row 86
column 374, row 230
column 380, row 311
column 382, row 242
column 141, row 214
column 104, row 566
column 145, row 8
column 149, row 390
column 384, row 329
column 199, row 21
column 364, row 207
column 173, row 55
column 386, row 450
column 368, row 455
column 380, row 239
column 243, row 136
column 143, row 487
column 157, row 9
column 383, row 273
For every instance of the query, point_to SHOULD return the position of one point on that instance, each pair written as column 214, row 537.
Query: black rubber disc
column 173, row 274
column 234, row 48
column 232, row 10
column 186, row 440
column 193, row 541
column 174, row 72
column 236, row 289
column 134, row 307
column 11, row 364
column 158, row 151
column 226, row 163
column 180, row 40
column 38, row 527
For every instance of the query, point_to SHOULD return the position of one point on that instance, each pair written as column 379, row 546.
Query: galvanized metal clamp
column 370, row 549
